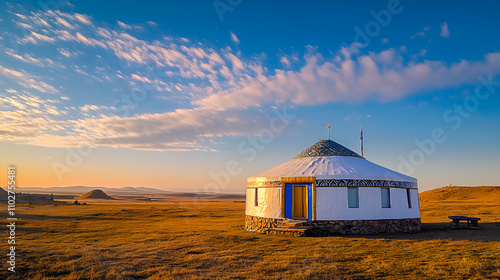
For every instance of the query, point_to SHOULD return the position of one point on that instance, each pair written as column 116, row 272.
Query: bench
column 472, row 222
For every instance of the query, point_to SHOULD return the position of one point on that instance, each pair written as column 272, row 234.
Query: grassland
column 205, row 240
column 436, row 205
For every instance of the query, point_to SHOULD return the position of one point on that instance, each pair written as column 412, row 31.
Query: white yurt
column 328, row 189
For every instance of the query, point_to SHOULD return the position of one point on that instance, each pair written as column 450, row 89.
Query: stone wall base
column 337, row 227
column 325, row 228
column 259, row 224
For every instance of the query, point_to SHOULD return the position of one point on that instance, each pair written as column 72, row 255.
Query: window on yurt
column 408, row 197
column 256, row 203
column 386, row 197
column 352, row 197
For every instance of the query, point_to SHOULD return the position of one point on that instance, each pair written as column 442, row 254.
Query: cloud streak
column 27, row 80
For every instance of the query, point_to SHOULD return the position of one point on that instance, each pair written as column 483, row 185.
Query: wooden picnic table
column 472, row 222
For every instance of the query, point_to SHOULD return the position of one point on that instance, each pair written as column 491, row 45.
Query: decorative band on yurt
column 364, row 183
column 340, row 183
column 264, row 184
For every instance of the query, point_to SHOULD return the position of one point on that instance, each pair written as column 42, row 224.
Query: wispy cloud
column 159, row 85
column 24, row 116
column 27, row 80
column 445, row 33
column 91, row 107
column 36, row 38
column 129, row 26
column 28, row 58
column 234, row 38
column 64, row 52
column 83, row 19
column 64, row 23
column 180, row 59
column 422, row 33
column 285, row 61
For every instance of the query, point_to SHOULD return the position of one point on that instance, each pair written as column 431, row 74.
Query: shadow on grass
column 487, row 232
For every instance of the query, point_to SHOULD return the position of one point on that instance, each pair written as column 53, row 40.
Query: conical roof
column 324, row 148
column 327, row 159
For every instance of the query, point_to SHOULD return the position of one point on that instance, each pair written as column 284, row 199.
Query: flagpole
column 361, row 138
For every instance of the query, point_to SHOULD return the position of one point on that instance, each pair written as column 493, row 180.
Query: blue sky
column 169, row 94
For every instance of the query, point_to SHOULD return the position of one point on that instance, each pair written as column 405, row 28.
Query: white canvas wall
column 269, row 203
column 331, row 204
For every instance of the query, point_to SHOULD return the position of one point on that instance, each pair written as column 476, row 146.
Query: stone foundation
column 259, row 224
column 342, row 227
column 338, row 227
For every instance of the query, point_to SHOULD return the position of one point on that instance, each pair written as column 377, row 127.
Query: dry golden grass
column 206, row 240
column 483, row 202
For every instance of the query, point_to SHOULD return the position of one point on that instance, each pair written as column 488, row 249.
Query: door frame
column 287, row 197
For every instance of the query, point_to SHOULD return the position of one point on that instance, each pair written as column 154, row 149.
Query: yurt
column 328, row 189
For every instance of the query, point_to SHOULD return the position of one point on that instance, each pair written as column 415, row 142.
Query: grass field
column 206, row 240
column 436, row 205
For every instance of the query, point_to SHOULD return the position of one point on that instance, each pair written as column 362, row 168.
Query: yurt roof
column 327, row 159
column 327, row 148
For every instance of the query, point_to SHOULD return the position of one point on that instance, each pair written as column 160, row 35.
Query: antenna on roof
column 329, row 126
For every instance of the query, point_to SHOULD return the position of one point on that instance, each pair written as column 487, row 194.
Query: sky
column 200, row 95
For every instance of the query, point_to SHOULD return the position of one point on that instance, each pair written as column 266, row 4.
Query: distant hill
column 480, row 202
column 75, row 190
column 486, row 193
column 27, row 198
column 3, row 195
column 95, row 194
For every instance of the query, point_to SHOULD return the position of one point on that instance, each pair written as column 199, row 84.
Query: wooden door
column 299, row 202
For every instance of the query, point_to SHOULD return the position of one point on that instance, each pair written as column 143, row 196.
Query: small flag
column 361, row 138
